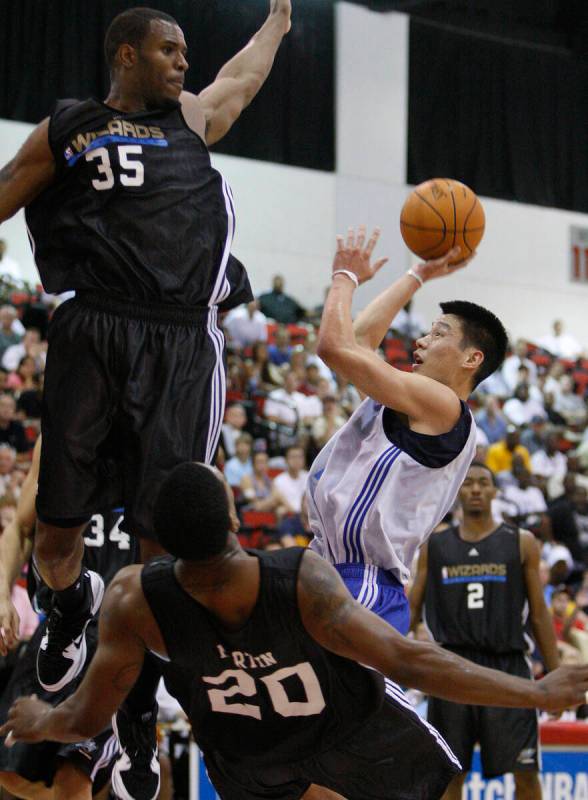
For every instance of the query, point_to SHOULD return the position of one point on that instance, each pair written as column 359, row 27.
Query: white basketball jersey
column 377, row 489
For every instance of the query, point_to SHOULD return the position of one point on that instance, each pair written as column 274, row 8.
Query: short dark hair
column 482, row 329
column 481, row 465
column 191, row 516
column 130, row 27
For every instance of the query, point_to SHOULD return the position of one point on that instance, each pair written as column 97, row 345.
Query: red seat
column 581, row 379
column 273, row 472
column 259, row 519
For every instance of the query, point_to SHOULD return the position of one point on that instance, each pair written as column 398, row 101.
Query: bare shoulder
column 124, row 594
column 194, row 113
column 530, row 551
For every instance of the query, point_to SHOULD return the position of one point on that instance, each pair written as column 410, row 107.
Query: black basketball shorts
column 130, row 392
column 508, row 737
column 394, row 756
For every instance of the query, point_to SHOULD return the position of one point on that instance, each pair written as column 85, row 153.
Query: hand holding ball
column 441, row 214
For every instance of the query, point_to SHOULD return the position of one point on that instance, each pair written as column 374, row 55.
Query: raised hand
column 440, row 267
column 354, row 255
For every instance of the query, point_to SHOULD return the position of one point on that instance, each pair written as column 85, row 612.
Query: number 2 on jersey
column 475, row 595
column 135, row 172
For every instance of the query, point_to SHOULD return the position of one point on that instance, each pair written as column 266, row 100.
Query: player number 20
column 133, row 174
column 244, row 685
column 475, row 595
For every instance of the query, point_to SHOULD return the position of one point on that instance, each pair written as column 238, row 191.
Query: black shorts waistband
column 149, row 312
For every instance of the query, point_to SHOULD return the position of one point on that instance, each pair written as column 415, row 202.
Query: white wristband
column 417, row 277
column 351, row 275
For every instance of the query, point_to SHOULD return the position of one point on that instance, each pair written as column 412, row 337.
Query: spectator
column 560, row 344
column 533, row 434
column 257, row 487
column 310, row 345
column 500, row 454
column 269, row 376
column 286, row 406
column 233, row 427
column 551, row 385
column 408, row 324
column 246, row 325
column 528, row 500
column 23, row 379
column 491, row 420
column 240, row 464
column 521, row 409
column 329, row 422
column 8, row 335
column 7, row 465
column 295, row 530
column 349, row 398
column 563, row 523
column 549, row 463
column 298, row 365
column 11, row 430
column 569, row 622
column 291, row 484
column 494, row 385
column 31, row 345
column 312, row 377
column 8, row 266
column 569, row 404
column 553, row 416
column 30, row 401
column 279, row 306
column 511, row 366
column 280, row 352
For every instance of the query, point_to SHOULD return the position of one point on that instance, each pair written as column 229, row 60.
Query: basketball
column 441, row 214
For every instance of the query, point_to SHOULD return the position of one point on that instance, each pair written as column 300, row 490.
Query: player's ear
column 473, row 359
column 126, row 56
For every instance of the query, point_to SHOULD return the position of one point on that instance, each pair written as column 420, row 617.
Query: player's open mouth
column 416, row 359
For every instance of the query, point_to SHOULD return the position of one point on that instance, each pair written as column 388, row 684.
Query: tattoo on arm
column 328, row 607
column 7, row 172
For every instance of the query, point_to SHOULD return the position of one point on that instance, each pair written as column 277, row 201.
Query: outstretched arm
column 29, row 172
column 110, row 676
column 242, row 77
column 16, row 545
column 426, row 402
column 340, row 624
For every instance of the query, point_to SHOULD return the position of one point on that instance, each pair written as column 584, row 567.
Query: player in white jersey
column 389, row 476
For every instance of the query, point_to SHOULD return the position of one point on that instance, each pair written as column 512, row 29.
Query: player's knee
column 55, row 544
column 70, row 783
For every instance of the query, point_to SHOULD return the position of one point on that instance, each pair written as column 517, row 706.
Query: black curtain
column 53, row 48
column 508, row 119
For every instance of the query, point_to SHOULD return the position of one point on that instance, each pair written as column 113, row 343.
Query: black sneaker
column 62, row 653
column 136, row 772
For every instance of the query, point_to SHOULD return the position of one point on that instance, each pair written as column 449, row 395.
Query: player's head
column 145, row 51
column 192, row 516
column 478, row 490
column 466, row 342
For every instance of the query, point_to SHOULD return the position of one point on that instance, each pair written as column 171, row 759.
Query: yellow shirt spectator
column 499, row 458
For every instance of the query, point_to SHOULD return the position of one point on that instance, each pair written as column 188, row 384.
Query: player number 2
column 245, row 686
column 134, row 174
column 475, row 595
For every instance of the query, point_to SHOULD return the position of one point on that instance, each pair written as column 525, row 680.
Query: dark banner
column 53, row 48
column 506, row 118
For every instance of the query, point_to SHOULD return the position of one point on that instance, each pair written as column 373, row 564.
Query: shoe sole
column 117, row 785
column 77, row 666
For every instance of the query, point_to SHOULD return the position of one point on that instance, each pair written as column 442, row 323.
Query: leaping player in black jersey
column 267, row 663
column 480, row 585
column 123, row 206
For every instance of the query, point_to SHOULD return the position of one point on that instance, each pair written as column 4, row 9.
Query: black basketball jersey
column 267, row 693
column 476, row 596
column 135, row 210
column 106, row 550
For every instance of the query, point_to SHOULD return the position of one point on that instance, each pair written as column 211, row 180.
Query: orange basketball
column 440, row 214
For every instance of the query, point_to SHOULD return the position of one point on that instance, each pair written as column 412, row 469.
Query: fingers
column 350, row 238
column 353, row 243
column 340, row 245
column 379, row 264
column 373, row 241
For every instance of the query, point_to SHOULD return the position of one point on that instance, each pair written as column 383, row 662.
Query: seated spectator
column 560, row 344
column 279, row 306
column 551, row 384
column 500, row 454
column 257, row 486
column 528, row 500
column 310, row 345
column 549, row 464
column 569, row 404
column 291, row 484
column 312, row 376
column 286, row 406
column 11, row 430
column 269, row 376
column 570, row 624
column 349, row 398
column 30, row 401
column 408, row 324
column 24, row 378
column 521, row 408
column 295, row 530
column 563, row 522
column 31, row 345
column 329, row 422
column 512, row 365
column 8, row 335
column 246, row 325
column 240, row 464
column 494, row 385
column 533, row 434
column 491, row 420
column 280, row 352
column 233, row 427
column 7, row 468
column 298, row 365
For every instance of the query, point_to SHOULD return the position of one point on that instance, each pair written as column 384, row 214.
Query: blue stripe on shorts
column 379, row 591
